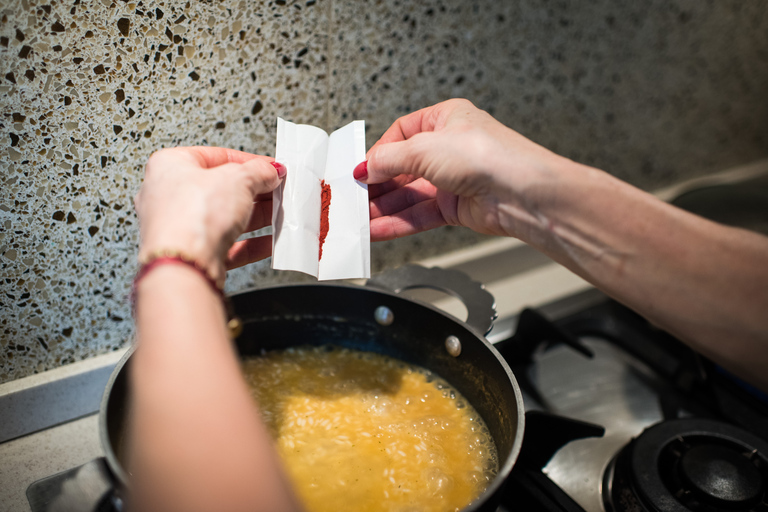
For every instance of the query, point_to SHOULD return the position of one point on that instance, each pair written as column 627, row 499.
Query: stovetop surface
column 613, row 369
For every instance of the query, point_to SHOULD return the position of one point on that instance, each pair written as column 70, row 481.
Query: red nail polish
column 281, row 170
column 361, row 171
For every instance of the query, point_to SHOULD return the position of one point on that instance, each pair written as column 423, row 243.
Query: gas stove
column 642, row 422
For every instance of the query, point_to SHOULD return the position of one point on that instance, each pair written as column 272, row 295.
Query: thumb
column 262, row 176
column 386, row 161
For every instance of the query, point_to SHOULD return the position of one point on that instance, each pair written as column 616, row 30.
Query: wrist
column 172, row 302
column 178, row 272
column 587, row 220
column 174, row 259
column 176, row 279
column 531, row 193
column 211, row 265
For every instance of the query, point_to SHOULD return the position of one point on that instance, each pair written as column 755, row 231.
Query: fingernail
column 361, row 171
column 281, row 170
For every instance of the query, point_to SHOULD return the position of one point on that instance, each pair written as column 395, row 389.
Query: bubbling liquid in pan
column 362, row 431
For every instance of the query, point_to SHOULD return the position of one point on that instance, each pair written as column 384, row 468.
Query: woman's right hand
column 700, row 281
column 453, row 164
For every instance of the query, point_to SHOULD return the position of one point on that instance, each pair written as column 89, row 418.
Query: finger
column 383, row 163
column 210, row 156
column 392, row 159
column 248, row 251
column 261, row 176
column 402, row 129
column 424, row 120
column 379, row 189
column 261, row 216
column 403, row 198
column 396, row 132
column 420, row 217
column 263, row 197
column 407, row 126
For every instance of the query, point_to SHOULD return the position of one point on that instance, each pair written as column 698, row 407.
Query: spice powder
column 325, row 207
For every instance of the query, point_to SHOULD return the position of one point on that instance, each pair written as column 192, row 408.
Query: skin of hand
column 200, row 199
column 441, row 166
column 195, row 439
column 453, row 164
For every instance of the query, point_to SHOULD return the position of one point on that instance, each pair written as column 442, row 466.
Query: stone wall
column 651, row 91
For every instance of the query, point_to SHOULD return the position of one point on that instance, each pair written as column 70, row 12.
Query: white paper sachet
column 314, row 159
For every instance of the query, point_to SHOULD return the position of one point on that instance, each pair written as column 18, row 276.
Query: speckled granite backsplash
column 651, row 91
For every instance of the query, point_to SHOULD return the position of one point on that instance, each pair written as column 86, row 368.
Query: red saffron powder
column 325, row 207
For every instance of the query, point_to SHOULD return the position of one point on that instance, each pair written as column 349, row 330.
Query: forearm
column 703, row 282
column 195, row 433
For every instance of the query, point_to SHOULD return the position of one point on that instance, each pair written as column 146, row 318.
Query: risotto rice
column 362, row 431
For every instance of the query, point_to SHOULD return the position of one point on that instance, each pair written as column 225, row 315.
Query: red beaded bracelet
column 177, row 260
column 234, row 325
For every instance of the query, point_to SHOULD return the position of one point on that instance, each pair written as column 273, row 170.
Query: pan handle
column 480, row 304
column 89, row 487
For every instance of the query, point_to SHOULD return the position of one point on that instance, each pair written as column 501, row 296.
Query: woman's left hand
column 198, row 200
column 195, row 439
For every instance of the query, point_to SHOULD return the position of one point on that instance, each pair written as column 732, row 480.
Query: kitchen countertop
column 27, row 459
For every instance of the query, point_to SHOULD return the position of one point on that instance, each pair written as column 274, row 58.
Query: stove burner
column 721, row 475
column 689, row 465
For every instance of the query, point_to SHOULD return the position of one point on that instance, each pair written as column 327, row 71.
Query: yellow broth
column 361, row 431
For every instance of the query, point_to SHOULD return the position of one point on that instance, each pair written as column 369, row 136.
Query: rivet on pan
column 384, row 315
column 453, row 346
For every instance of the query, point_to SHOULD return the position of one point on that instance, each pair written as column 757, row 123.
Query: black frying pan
column 373, row 319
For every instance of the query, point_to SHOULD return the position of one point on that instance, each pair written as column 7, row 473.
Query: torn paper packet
column 320, row 216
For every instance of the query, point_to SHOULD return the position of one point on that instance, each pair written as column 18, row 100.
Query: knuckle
column 159, row 154
column 259, row 176
column 460, row 102
column 154, row 162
